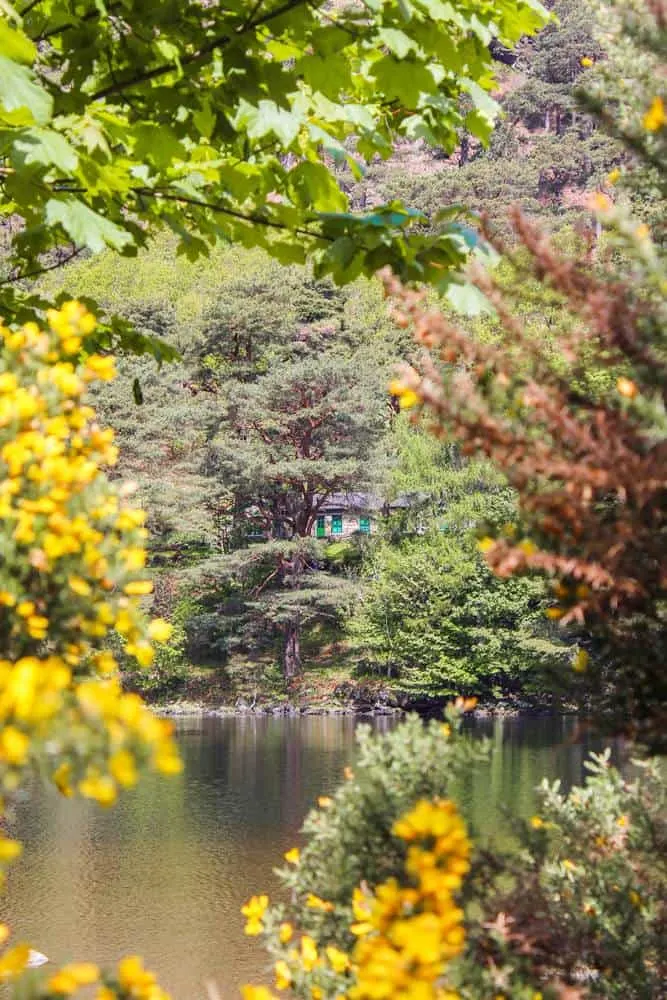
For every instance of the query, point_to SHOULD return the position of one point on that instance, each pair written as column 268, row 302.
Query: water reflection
column 165, row 873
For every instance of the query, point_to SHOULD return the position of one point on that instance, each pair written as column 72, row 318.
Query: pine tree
column 298, row 424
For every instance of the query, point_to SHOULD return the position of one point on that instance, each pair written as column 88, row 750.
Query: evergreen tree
column 302, row 426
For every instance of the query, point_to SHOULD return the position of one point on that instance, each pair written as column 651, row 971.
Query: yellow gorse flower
column 254, row 911
column 160, row 630
column 409, row 932
column 316, row 903
column 137, row 982
column 626, row 387
column 283, row 975
column 338, row 960
column 407, row 397
column 71, row 977
column 655, row 118
column 256, row 993
column 13, row 962
column 309, row 956
column 74, row 561
column 285, row 932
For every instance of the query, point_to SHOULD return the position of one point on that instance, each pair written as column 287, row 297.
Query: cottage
column 344, row 514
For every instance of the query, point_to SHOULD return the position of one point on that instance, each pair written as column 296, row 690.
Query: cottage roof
column 362, row 503
column 351, row 501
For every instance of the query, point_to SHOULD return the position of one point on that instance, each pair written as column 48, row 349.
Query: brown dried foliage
column 590, row 477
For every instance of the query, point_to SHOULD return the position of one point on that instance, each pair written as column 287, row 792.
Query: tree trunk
column 292, row 654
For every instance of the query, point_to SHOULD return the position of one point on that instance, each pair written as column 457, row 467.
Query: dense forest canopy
column 270, row 352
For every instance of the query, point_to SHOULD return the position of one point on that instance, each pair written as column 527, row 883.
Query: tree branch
column 217, row 207
column 88, row 16
column 42, row 270
column 259, row 4
column 187, row 60
column 28, row 7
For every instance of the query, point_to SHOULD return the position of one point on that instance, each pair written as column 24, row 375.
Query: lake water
column 164, row 873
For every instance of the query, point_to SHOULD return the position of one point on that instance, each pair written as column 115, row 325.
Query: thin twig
column 42, row 270
column 152, row 74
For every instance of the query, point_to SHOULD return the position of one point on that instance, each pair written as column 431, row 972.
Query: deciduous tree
column 223, row 122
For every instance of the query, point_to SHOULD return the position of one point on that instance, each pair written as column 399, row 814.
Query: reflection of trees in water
column 267, row 771
column 524, row 751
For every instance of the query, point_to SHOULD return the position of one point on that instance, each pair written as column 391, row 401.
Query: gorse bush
column 406, row 930
column 581, row 906
column 388, row 897
column 72, row 571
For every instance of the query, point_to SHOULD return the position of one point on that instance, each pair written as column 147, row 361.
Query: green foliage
column 224, row 127
column 622, row 89
column 588, row 890
column 349, row 840
column 572, row 408
column 301, row 414
column 544, row 152
column 169, row 672
column 257, row 334
column 438, row 622
column 576, row 902
column 431, row 617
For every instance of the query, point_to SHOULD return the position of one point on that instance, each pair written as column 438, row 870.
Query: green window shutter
column 319, row 531
column 365, row 525
column 337, row 524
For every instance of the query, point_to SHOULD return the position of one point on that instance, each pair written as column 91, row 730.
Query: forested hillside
column 280, row 402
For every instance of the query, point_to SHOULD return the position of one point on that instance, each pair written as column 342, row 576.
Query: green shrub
column 575, row 908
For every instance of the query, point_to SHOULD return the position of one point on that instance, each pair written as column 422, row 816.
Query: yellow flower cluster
column 133, row 981
column 302, row 965
column 408, row 933
column 14, row 960
column 72, row 573
column 407, row 930
column 407, row 397
column 130, row 982
column 254, row 911
column 62, row 522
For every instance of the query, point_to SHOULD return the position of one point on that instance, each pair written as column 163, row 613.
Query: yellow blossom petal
column 283, row 975
column 626, row 387
column 159, row 630
column 655, row 117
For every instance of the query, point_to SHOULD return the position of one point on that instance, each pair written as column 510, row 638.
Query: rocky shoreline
column 178, row 709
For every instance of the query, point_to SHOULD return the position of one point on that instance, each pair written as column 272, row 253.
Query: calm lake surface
column 165, row 872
